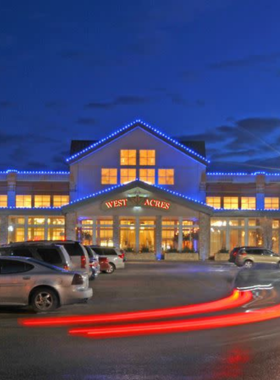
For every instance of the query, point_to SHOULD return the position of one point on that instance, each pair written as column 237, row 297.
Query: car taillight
column 77, row 279
column 66, row 267
column 83, row 261
column 121, row 255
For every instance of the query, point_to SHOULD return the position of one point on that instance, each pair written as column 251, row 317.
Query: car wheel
column 248, row 264
column 44, row 299
column 111, row 268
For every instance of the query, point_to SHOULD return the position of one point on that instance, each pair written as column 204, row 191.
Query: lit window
column 147, row 175
column 56, row 234
column 56, row 220
column 231, row 203
column 3, row 201
column 109, row 176
column 36, row 233
column 36, row 220
column 248, row 203
column 42, row 200
column 23, row 201
column 166, row 176
column 60, row 200
column 128, row 175
column 128, row 157
column 271, row 203
column 147, row 157
column 214, row 202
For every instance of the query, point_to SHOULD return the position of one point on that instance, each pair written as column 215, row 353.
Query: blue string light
column 30, row 208
column 241, row 174
column 33, row 172
column 134, row 123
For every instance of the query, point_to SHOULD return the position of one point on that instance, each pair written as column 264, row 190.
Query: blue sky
column 204, row 69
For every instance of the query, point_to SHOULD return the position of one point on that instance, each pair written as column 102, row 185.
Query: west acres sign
column 136, row 201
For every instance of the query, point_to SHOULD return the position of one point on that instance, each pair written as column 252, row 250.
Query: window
column 166, row 176
column 248, row 203
column 128, row 157
column 36, row 220
column 50, row 255
column 109, row 176
column 42, row 200
column 128, row 175
column 3, row 201
column 214, row 202
column 147, row 157
column 22, row 252
column 60, row 200
column 231, row 203
column 23, row 201
column 11, row 266
column 147, row 175
column 271, row 203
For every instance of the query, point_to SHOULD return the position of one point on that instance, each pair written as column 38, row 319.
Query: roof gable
column 113, row 190
column 138, row 124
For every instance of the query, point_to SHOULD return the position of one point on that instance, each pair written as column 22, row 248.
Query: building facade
column 142, row 191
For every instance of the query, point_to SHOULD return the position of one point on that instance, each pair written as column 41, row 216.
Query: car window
column 5, row 252
column 254, row 251
column 23, row 252
column 89, row 251
column 11, row 266
column 73, row 249
column 109, row 252
column 98, row 251
column 49, row 255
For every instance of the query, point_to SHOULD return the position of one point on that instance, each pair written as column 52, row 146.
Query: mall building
column 145, row 192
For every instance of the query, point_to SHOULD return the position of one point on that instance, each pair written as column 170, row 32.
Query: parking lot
column 50, row 353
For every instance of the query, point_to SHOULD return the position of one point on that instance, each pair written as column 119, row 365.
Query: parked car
column 77, row 253
column 26, row 281
column 93, row 262
column 105, row 266
column 249, row 256
column 114, row 257
column 48, row 252
column 233, row 253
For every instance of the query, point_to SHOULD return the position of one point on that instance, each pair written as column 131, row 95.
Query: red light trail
column 236, row 299
column 179, row 326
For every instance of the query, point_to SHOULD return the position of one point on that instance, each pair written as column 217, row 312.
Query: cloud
column 248, row 61
column 179, row 100
column 119, row 101
column 86, row 121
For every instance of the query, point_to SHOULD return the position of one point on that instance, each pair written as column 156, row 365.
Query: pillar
column 180, row 234
column 11, row 193
column 204, row 236
column 94, row 228
column 260, row 191
column 158, row 235
column 4, row 229
column 266, row 228
column 70, row 225
column 137, row 234
column 116, row 231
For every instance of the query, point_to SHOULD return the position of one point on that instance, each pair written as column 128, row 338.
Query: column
column 4, row 229
column 204, row 236
column 180, row 234
column 158, row 236
column 137, row 234
column 260, row 191
column 70, row 226
column 266, row 228
column 94, row 228
column 116, row 231
column 227, row 234
column 11, row 193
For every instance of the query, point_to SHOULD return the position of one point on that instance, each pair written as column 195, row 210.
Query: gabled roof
column 113, row 190
column 138, row 124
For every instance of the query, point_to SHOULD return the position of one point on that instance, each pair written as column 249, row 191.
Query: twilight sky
column 206, row 69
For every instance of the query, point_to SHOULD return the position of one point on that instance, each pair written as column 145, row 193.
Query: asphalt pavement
column 240, row 352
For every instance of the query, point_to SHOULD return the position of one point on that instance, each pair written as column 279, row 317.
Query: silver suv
column 114, row 256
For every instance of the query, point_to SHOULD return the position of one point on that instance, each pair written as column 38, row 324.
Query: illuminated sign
column 136, row 201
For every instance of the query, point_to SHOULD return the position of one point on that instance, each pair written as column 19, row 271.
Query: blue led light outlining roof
column 109, row 189
column 33, row 172
column 241, row 174
column 29, row 208
column 126, row 127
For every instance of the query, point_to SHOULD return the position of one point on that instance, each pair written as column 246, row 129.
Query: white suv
column 114, row 256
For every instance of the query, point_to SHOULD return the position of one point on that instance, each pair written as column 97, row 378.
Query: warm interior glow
column 24, row 201
column 147, row 157
column 128, row 157
column 166, row 176
column 128, row 175
column 109, row 176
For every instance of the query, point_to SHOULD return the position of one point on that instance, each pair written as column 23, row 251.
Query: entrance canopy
column 137, row 198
